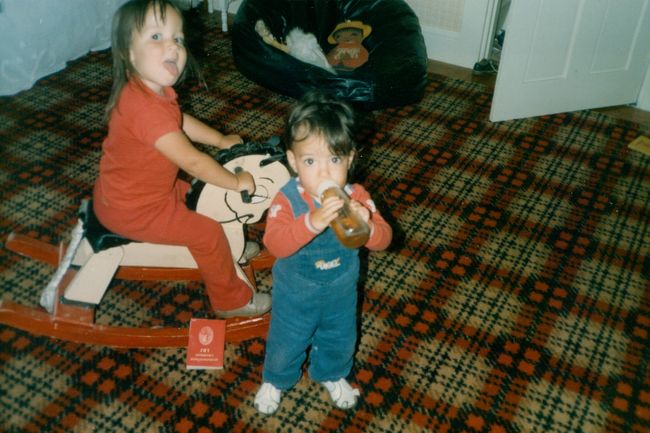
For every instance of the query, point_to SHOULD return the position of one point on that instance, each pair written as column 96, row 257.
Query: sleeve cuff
column 309, row 225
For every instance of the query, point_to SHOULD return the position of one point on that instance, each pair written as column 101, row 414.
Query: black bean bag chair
column 395, row 73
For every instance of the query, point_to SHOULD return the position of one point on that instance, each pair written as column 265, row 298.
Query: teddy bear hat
column 365, row 29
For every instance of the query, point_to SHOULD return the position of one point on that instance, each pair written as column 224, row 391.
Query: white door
column 568, row 55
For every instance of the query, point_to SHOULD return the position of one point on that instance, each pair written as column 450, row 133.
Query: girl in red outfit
column 137, row 193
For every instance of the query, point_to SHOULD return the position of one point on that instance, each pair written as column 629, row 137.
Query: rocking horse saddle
column 99, row 237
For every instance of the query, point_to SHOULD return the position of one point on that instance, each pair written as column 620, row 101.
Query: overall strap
column 298, row 205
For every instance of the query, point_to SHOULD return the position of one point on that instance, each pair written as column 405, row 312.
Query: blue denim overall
column 314, row 303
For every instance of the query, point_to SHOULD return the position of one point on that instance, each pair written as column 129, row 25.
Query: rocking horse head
column 265, row 162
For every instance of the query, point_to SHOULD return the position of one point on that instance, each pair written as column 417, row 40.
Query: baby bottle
column 352, row 231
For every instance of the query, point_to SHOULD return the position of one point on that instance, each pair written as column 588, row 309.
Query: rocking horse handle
column 245, row 196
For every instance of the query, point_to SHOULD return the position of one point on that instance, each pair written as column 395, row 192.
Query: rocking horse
column 94, row 256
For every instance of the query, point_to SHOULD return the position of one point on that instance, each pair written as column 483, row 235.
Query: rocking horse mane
column 272, row 148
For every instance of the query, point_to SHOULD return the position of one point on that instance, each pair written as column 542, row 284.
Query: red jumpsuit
column 138, row 195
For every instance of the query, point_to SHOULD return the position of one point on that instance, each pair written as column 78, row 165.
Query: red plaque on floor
column 205, row 348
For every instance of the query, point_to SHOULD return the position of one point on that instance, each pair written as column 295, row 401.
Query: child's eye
column 180, row 40
column 309, row 161
column 156, row 36
column 336, row 159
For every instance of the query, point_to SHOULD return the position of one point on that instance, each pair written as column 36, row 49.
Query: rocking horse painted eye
column 260, row 195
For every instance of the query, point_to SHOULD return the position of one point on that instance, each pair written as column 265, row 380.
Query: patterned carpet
column 516, row 297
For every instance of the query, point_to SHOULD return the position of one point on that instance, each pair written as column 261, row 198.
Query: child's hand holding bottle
column 350, row 222
column 322, row 217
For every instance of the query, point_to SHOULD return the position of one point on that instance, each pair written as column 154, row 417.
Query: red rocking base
column 77, row 323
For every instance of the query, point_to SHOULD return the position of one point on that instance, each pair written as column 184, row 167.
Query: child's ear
column 351, row 159
column 291, row 158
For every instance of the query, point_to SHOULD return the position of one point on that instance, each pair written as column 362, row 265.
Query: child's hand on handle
column 245, row 182
column 228, row 141
column 323, row 216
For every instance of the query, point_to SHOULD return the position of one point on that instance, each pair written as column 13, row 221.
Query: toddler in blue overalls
column 315, row 277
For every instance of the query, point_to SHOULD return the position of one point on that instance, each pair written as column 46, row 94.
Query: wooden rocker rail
column 41, row 323
column 75, row 323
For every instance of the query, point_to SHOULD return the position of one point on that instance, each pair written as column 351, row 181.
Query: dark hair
column 319, row 113
column 130, row 17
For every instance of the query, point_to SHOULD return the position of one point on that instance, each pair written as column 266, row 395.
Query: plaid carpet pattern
column 515, row 298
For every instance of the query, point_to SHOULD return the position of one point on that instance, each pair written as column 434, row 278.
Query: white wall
column 38, row 37
column 456, row 31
